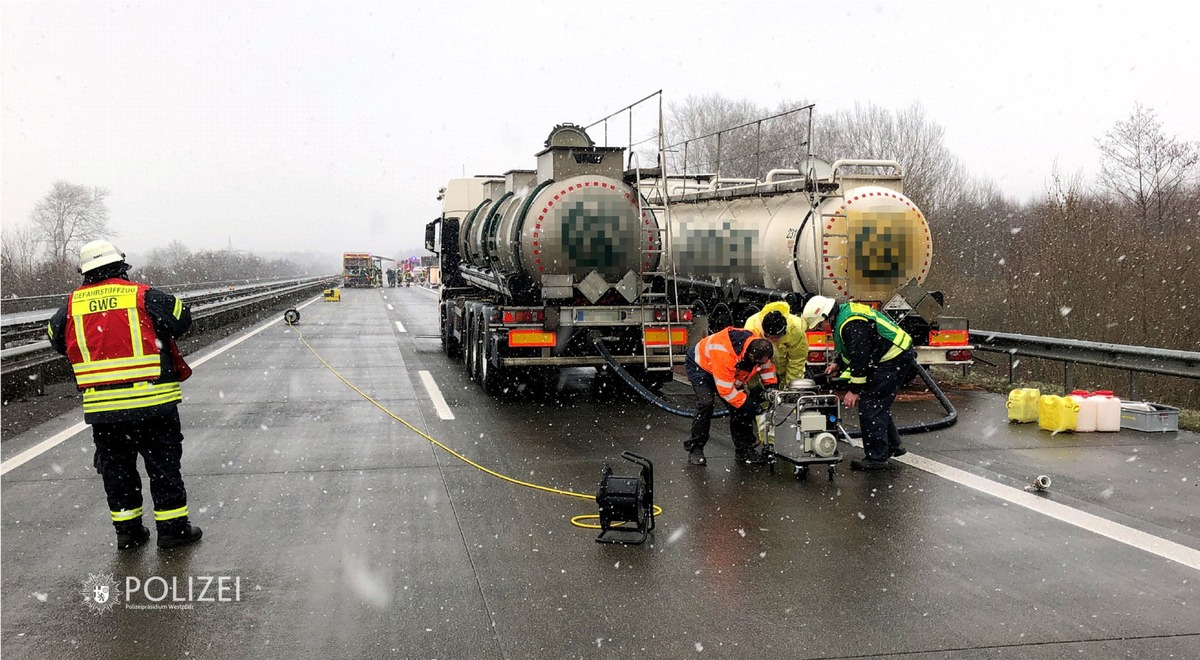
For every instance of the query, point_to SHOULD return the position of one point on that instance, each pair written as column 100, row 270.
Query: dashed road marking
column 435, row 395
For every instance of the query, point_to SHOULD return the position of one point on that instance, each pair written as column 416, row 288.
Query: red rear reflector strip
column 818, row 340
column 658, row 336
column 948, row 337
column 530, row 338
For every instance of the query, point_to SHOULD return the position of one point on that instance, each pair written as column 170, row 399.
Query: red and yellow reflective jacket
column 719, row 355
column 118, row 336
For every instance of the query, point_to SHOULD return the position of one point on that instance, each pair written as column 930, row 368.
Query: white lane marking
column 400, row 327
column 390, row 306
column 52, row 442
column 435, row 394
column 43, row 446
column 1092, row 523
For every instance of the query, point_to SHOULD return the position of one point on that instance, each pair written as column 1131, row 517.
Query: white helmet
column 97, row 254
column 816, row 309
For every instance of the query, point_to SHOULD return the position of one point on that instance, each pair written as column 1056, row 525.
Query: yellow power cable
column 577, row 520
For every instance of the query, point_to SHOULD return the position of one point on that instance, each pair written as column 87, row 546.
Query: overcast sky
column 330, row 126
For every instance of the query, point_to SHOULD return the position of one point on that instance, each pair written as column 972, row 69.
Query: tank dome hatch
column 569, row 135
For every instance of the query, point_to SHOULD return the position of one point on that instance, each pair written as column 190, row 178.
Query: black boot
column 177, row 533
column 131, row 534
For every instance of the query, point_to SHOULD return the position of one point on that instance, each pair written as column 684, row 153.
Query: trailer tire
column 468, row 347
column 477, row 350
column 492, row 378
column 449, row 344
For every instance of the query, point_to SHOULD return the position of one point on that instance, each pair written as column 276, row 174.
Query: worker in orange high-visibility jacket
column 722, row 364
column 120, row 339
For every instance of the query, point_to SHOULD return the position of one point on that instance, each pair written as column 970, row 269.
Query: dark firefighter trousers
column 160, row 443
column 741, row 420
column 879, row 434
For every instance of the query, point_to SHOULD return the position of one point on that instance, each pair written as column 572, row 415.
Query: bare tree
column 69, row 216
column 18, row 256
column 933, row 176
column 1147, row 169
column 731, row 153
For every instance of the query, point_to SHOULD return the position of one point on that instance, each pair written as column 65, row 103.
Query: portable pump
column 624, row 501
column 815, row 418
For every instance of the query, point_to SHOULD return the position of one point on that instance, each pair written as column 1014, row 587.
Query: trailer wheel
column 490, row 377
column 473, row 346
column 480, row 357
column 468, row 347
column 449, row 343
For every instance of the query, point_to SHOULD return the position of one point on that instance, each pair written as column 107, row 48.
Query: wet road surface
column 347, row 534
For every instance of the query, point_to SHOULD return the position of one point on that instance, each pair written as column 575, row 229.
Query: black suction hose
column 642, row 389
column 945, row 422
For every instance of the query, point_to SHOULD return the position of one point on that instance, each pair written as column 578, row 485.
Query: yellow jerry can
column 1023, row 404
column 1057, row 413
column 333, row 295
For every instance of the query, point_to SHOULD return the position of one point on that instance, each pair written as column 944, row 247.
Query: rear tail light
column 675, row 315
column 959, row 355
column 816, row 356
column 523, row 316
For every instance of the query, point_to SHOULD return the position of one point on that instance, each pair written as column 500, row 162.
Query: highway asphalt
column 332, row 529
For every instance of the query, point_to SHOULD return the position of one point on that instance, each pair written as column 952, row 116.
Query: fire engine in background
column 361, row 270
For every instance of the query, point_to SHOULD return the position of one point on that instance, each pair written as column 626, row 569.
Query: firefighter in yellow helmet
column 120, row 339
column 880, row 358
column 787, row 334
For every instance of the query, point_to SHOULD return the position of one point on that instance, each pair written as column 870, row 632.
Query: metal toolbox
column 1149, row 417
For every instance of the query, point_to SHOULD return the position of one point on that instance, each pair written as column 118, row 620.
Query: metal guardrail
column 35, row 303
column 39, row 363
column 1134, row 359
column 21, row 332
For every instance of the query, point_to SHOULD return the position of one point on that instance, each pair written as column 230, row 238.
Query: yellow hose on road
column 577, row 520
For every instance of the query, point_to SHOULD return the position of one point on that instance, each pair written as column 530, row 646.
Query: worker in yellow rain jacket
column 880, row 358
column 120, row 339
column 722, row 364
column 787, row 334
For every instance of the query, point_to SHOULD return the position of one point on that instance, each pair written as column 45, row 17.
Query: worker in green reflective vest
column 880, row 360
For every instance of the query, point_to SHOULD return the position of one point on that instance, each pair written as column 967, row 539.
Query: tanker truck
column 540, row 265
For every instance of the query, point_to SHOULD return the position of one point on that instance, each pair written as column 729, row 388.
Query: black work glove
column 757, row 399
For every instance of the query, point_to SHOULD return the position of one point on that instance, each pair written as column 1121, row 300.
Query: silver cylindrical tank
column 864, row 244
column 568, row 227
